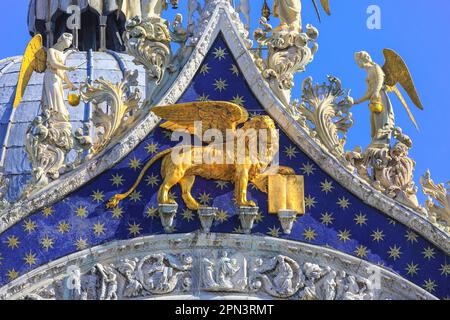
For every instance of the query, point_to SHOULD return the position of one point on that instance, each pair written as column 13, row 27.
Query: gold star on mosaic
column 360, row 219
column 99, row 229
column 117, row 180
column 152, row 148
column 327, row 218
column 63, row 227
column 234, row 69
column 135, row 164
column 412, row 269
column 136, row 196
column 167, row 134
column 222, row 216
column 344, row 203
column 205, row 198
column 308, row 169
column 344, row 235
column 151, row 213
column 259, row 218
column 394, row 252
column 203, row 97
column 219, row 53
column 221, row 184
column 237, row 99
column 220, row 84
column 327, row 186
column 430, row 285
column 378, row 235
column 188, row 215
column 13, row 242
column 274, row 232
column 30, row 258
column 47, row 242
column 361, row 251
column 290, row 152
column 81, row 244
column 172, row 195
column 29, row 226
column 134, row 229
column 152, row 180
column 428, row 253
column 310, row 202
column 392, row 222
column 117, row 212
column 310, row 234
column 81, row 212
column 13, row 274
column 445, row 269
column 98, row 196
column 411, row 236
column 47, row 212
column 204, row 70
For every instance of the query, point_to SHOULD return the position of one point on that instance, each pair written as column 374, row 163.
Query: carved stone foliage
column 116, row 107
column 224, row 273
column 324, row 113
column 289, row 52
column 48, row 140
column 438, row 202
column 389, row 169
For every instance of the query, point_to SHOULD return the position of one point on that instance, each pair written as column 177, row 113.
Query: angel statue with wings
column 49, row 137
column 290, row 13
column 380, row 81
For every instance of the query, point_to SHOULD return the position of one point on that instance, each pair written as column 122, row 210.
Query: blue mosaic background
column 334, row 218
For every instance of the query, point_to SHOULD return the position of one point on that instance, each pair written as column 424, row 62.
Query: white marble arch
column 185, row 255
column 223, row 20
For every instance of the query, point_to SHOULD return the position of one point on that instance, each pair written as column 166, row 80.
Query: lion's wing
column 219, row 115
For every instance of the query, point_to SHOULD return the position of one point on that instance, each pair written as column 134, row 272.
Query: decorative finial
column 266, row 10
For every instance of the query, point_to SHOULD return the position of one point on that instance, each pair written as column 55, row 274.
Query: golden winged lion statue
column 218, row 161
column 380, row 81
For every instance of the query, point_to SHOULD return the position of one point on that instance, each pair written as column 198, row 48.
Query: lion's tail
column 114, row 201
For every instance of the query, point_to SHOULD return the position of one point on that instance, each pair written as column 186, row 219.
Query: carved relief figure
column 280, row 277
column 224, row 273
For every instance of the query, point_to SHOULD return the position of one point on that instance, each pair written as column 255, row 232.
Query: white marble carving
column 116, row 108
column 324, row 113
column 210, row 266
column 289, row 52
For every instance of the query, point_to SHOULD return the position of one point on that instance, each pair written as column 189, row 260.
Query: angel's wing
column 325, row 5
column 397, row 71
column 219, row 115
column 34, row 59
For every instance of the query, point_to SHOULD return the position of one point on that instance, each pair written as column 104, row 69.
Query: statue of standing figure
column 153, row 8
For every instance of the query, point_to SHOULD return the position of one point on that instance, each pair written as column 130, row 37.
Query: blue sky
column 418, row 30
